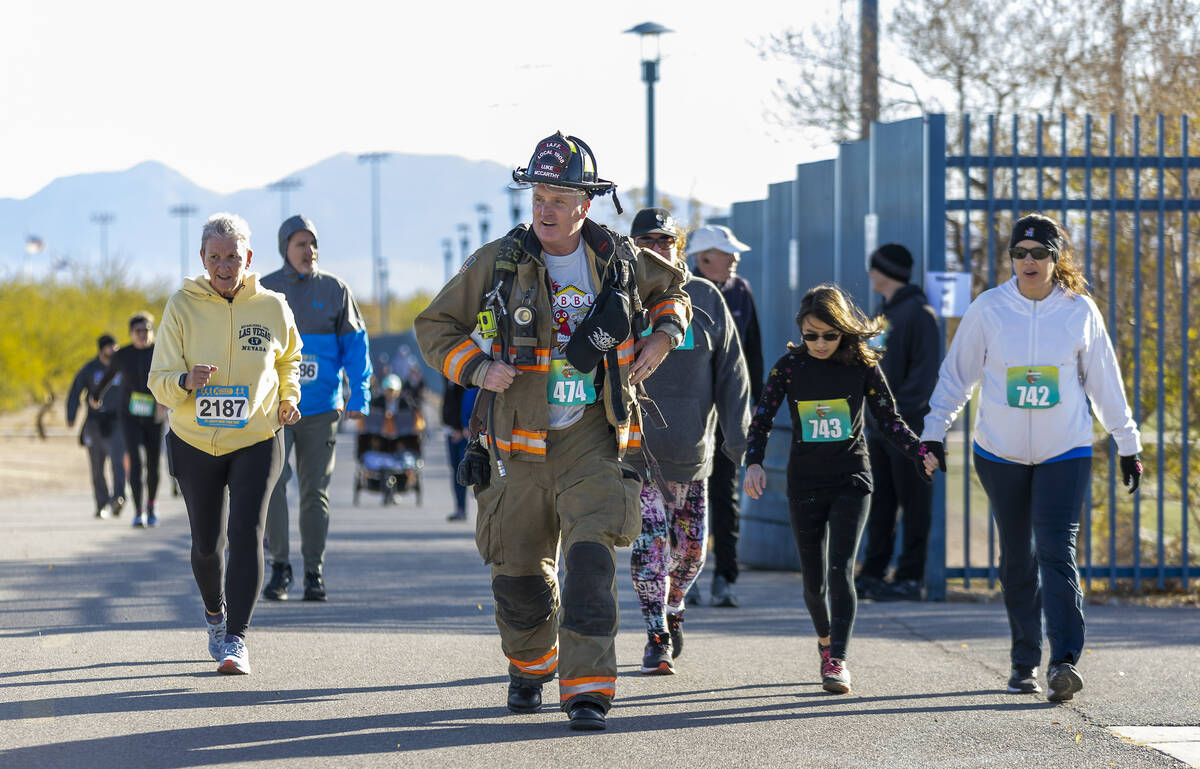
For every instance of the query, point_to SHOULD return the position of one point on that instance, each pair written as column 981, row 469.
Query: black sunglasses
column 654, row 240
column 828, row 336
column 1037, row 252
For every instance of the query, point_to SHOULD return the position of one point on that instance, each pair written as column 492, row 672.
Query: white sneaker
column 235, row 658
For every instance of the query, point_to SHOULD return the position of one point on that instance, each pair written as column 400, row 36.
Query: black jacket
column 912, row 345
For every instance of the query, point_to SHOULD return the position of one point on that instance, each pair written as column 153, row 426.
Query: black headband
column 1037, row 228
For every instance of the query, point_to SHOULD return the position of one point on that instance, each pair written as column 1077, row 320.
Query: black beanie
column 290, row 227
column 893, row 260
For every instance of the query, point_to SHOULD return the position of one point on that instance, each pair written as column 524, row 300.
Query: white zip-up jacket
column 1011, row 343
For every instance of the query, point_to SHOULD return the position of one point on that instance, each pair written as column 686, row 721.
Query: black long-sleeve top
column 825, row 400
column 134, row 367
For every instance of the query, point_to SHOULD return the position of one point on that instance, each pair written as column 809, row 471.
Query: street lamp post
column 283, row 187
column 183, row 211
column 649, row 33
column 380, row 267
column 103, row 218
column 484, row 211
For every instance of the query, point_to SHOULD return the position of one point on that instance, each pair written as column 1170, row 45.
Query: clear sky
column 239, row 94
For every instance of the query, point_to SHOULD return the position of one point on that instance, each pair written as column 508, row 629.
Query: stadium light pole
column 184, row 211
column 448, row 257
column 283, row 187
column 103, row 218
column 380, row 267
column 464, row 240
column 649, row 32
column 484, row 211
column 514, row 200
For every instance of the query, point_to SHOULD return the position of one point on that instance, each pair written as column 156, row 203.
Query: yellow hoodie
column 254, row 343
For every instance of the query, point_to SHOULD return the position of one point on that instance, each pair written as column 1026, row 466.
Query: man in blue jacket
column 335, row 340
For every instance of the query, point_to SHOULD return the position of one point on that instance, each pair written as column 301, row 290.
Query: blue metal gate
column 948, row 204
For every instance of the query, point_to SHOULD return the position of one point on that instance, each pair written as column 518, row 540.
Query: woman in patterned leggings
column 702, row 382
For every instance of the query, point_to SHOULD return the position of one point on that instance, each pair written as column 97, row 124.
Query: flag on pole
column 34, row 245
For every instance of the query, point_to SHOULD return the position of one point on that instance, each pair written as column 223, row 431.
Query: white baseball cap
column 716, row 236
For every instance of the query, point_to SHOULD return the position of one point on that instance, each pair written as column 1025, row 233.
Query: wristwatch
column 183, row 381
column 673, row 331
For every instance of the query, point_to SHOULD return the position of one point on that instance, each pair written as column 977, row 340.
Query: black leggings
column 250, row 475
column 142, row 433
column 827, row 526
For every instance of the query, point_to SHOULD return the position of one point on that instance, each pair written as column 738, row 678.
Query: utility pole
column 380, row 267
column 103, row 218
column 184, row 212
column 283, row 187
column 484, row 211
column 868, row 31
column 448, row 256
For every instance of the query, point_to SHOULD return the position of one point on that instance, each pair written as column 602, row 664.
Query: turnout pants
column 583, row 503
column 314, row 437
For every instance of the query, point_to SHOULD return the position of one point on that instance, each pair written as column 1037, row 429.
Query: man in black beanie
column 911, row 355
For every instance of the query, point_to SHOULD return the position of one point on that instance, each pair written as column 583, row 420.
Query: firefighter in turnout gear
column 546, row 321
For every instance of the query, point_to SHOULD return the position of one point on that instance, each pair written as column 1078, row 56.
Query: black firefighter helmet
column 565, row 161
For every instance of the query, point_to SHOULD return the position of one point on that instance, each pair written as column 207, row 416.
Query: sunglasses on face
column 652, row 241
column 1038, row 252
column 828, row 336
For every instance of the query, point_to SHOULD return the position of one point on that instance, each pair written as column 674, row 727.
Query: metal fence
column 1130, row 214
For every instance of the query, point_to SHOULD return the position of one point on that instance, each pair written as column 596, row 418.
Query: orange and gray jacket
column 520, row 413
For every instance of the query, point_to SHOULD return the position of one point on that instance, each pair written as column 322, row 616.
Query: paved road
column 103, row 664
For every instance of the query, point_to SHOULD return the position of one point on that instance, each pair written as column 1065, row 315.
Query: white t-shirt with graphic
column 572, row 297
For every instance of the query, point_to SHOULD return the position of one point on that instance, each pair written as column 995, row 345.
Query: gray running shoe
column 835, row 677
column 1064, row 680
column 1023, row 680
column 722, row 593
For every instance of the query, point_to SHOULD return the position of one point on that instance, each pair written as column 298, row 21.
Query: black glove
column 1131, row 472
column 938, row 450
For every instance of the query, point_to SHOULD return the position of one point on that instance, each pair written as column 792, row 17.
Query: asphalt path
column 103, row 663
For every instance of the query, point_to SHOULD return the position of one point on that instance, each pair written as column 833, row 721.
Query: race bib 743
column 824, row 421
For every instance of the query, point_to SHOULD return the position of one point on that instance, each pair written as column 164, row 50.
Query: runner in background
column 101, row 432
column 141, row 418
column 716, row 252
column 701, row 384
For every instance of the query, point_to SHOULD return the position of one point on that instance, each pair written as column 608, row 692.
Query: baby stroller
column 388, row 450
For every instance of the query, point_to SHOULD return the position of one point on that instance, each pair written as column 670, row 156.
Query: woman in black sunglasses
column 827, row 381
column 1038, row 345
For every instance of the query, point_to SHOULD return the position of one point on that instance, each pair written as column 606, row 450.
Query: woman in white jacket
column 1039, row 345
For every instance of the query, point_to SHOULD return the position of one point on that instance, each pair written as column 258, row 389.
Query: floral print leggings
column 669, row 554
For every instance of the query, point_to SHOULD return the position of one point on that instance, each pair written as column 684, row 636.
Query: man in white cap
column 715, row 252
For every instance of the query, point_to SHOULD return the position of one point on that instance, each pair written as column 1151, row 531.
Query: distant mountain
column 423, row 199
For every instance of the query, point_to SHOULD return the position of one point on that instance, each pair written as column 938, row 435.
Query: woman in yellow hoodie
column 227, row 364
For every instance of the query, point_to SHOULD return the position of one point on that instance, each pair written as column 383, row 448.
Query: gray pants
column 314, row 437
column 102, row 447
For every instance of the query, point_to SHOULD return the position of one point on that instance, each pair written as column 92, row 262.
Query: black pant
column 104, row 442
column 250, row 475
column 1036, row 509
column 827, row 526
column 898, row 485
column 723, row 512
column 146, row 434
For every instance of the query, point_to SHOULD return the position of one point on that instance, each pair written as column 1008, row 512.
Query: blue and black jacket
column 334, row 335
